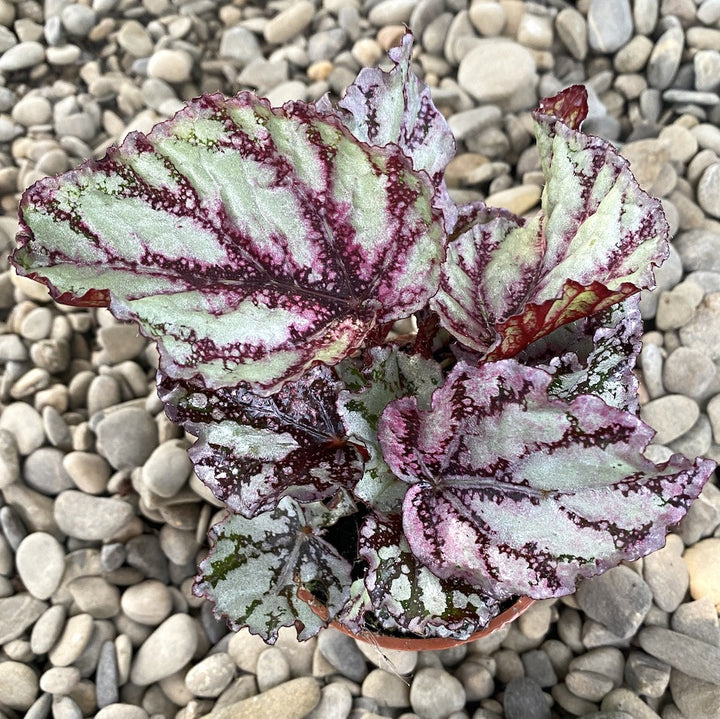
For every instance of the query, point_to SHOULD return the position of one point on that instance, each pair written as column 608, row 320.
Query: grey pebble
column 618, row 599
column 17, row 613
column 22, row 56
column 13, row 526
column 104, row 392
column 571, row 27
column 695, row 698
column 168, row 649
column 119, row 710
column 51, row 355
column 699, row 620
column 211, row 676
column 624, row 700
column 47, row 629
column 9, row 460
column 44, row 471
column 477, row 680
column 702, row 332
column 40, row 578
column 25, row 423
column 539, row 667
column 148, row 602
column 588, row 685
column 144, row 553
column 610, row 24
column 120, row 342
column 40, row 708
column 665, row 58
column 706, row 66
column 78, row 19
column 73, row 640
column 92, row 518
column 666, row 574
column 134, row 39
column 126, row 437
column 18, row 685
column 289, row 22
column 342, row 652
column 56, row 429
column 692, row 656
column 434, row 693
column 699, row 250
column 96, row 596
column 173, row 66
column 708, row 191
column 670, row 416
column 88, row 471
column 65, row 708
column 239, row 43
column 106, row 676
column 646, row 675
column 59, row 680
column 500, row 72
column 336, row 702
column 524, row 698
column 387, row 689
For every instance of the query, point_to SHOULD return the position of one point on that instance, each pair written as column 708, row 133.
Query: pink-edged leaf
column 256, row 566
column 406, row 594
column 395, row 107
column 388, row 375
column 251, row 242
column 253, row 450
column 520, row 493
column 507, row 282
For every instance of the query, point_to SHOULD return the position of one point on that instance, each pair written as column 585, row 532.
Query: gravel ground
column 102, row 519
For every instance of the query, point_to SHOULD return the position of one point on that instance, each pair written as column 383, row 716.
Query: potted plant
column 412, row 482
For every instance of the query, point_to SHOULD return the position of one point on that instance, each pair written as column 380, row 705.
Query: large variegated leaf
column 391, row 374
column 507, row 282
column 251, row 242
column 252, row 450
column 406, row 594
column 395, row 107
column 519, row 493
column 594, row 355
column 255, row 567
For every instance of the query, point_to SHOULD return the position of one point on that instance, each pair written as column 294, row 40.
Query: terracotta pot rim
column 418, row 643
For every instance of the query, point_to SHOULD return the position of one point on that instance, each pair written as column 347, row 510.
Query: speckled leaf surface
column 253, row 450
column 518, row 493
column 406, row 594
column 255, row 566
column 251, row 242
column 396, row 107
column 507, row 282
column 594, row 355
column 389, row 375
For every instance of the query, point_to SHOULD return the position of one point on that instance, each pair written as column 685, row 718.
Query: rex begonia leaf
column 252, row 450
column 395, row 107
column 255, row 566
column 251, row 242
column 407, row 594
column 520, row 493
column 506, row 282
column 594, row 355
column 391, row 374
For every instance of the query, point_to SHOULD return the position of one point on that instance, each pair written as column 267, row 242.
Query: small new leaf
column 255, row 567
column 519, row 493
column 391, row 374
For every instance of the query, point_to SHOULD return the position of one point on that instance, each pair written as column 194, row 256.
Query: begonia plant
column 413, row 482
